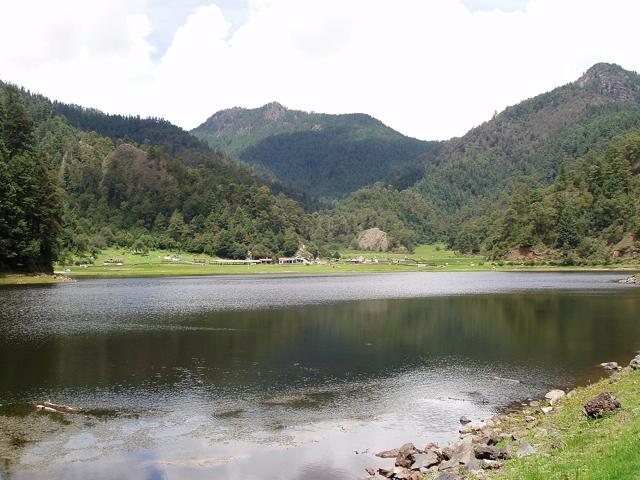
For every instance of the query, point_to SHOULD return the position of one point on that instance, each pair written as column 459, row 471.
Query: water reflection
column 215, row 391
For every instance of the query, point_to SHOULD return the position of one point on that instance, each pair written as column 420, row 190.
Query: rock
column 371, row 471
column 474, row 466
column 490, row 438
column 425, row 460
column 385, row 472
column 460, row 454
column 534, row 403
column 611, row 366
column 546, row 410
column 554, row 395
column 388, row 453
column 373, row 239
column 572, row 393
column 529, row 419
column 490, row 453
column 405, row 452
column 464, row 420
column 401, row 473
column 519, row 434
column 541, row 432
column 448, row 476
column 491, row 464
column 632, row 280
column 600, row 405
column 635, row 362
column 525, row 450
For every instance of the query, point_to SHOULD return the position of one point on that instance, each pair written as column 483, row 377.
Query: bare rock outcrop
column 373, row 239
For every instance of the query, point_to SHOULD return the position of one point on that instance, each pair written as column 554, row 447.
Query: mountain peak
column 273, row 111
column 611, row 80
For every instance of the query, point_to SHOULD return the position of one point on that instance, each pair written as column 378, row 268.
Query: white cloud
column 429, row 69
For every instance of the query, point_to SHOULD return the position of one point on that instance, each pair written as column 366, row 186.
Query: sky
column 431, row 69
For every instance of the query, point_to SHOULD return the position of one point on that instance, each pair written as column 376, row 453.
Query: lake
column 288, row 377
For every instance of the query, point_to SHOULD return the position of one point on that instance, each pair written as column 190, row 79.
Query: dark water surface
column 287, row 377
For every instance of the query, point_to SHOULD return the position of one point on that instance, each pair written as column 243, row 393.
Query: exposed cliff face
column 611, row 81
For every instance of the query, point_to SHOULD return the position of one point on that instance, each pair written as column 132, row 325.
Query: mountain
column 325, row 155
column 531, row 140
column 167, row 189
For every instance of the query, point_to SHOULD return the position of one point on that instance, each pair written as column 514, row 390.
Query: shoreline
column 60, row 276
column 340, row 270
column 533, row 439
column 7, row 279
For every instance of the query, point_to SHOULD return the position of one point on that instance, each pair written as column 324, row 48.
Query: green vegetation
column 325, row 155
column 590, row 213
column 553, row 179
column 579, row 448
column 425, row 258
column 406, row 216
column 30, row 201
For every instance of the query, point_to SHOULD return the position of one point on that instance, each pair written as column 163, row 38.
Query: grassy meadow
column 424, row 258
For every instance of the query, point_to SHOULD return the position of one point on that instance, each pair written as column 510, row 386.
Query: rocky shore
column 485, row 446
column 632, row 280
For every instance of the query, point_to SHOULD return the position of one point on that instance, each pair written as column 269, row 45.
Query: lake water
column 291, row 377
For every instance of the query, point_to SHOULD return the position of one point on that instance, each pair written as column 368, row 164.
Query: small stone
column 534, row 403
column 529, row 419
column 490, row 453
column 546, row 410
column 425, row 460
column 600, row 405
column 448, row 476
column 385, row 472
column 610, row 366
column 519, row 434
column 491, row 464
column 402, row 473
column 541, row 432
column 371, row 471
column 490, row 438
column 554, row 395
column 525, row 450
column 635, row 362
column 464, row 420
column 388, row 453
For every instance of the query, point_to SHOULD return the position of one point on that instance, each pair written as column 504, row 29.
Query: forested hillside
column 325, row 155
column 555, row 177
column 30, row 200
column 405, row 215
column 590, row 212
column 118, row 192
column 532, row 139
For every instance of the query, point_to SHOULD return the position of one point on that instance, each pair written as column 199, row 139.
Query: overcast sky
column 428, row 68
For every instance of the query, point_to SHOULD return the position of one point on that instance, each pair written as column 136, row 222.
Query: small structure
column 113, row 261
column 292, row 260
column 265, row 260
column 359, row 259
column 224, row 261
column 199, row 261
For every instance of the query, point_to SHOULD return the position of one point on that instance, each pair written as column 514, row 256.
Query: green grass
column 29, row 279
column 425, row 258
column 607, row 448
